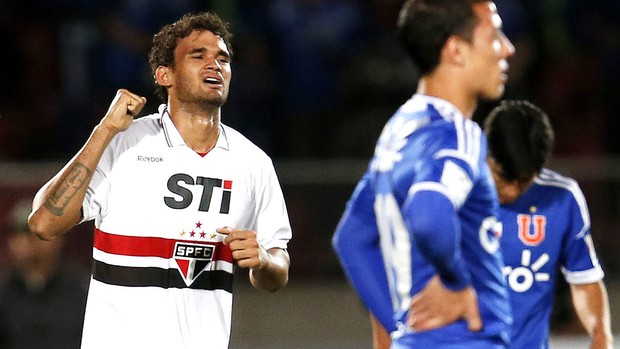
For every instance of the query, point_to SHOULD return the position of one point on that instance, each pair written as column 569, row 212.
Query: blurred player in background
column 546, row 227
column 419, row 239
column 178, row 199
column 42, row 295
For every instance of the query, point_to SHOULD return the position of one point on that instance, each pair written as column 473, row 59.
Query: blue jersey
column 545, row 230
column 426, row 205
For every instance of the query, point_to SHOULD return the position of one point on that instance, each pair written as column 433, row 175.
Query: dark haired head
column 424, row 26
column 164, row 42
column 520, row 139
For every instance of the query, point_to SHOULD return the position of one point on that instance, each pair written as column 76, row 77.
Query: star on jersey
column 521, row 279
column 198, row 232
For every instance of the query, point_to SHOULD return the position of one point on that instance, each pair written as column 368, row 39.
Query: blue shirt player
column 419, row 239
column 546, row 229
column 427, row 207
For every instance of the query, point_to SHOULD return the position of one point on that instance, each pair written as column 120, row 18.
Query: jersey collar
column 173, row 137
column 446, row 109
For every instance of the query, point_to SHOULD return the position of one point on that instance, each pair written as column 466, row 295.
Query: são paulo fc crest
column 192, row 259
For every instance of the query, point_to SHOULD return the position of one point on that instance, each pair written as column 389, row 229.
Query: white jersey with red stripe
column 162, row 278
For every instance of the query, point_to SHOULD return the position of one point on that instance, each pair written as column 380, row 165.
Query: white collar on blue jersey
column 173, row 137
column 420, row 101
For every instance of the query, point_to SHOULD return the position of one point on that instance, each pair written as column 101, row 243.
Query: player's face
column 202, row 70
column 488, row 53
column 508, row 191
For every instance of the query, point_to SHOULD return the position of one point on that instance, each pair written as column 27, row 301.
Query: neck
column 198, row 124
column 444, row 87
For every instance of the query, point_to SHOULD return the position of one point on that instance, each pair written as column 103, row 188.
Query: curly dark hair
column 164, row 42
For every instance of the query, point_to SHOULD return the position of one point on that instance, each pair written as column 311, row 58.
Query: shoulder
column 461, row 135
column 241, row 146
column 563, row 186
column 148, row 125
column 432, row 124
column 144, row 133
column 460, row 140
column 427, row 128
column 551, row 179
column 441, row 117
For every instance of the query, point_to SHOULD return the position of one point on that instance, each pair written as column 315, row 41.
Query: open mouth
column 212, row 81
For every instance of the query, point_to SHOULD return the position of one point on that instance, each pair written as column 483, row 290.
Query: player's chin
column 507, row 199
column 495, row 93
column 216, row 101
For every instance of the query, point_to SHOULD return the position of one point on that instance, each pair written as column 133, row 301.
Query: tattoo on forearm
column 71, row 183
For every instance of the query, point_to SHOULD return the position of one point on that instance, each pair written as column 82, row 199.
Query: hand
column 246, row 250
column 436, row 306
column 122, row 110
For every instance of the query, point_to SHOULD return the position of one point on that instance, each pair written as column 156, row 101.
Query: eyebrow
column 203, row 49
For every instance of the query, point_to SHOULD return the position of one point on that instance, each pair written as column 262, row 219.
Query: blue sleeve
column 356, row 242
column 580, row 264
column 435, row 229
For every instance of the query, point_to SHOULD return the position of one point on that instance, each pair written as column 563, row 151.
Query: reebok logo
column 150, row 158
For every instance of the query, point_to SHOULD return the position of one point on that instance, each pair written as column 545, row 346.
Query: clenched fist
column 122, row 110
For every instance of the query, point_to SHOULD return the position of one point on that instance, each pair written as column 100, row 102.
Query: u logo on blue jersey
column 531, row 237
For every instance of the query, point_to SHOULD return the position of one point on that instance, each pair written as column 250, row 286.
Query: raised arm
column 57, row 205
column 592, row 307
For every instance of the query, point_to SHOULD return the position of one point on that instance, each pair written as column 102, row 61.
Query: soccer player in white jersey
column 546, row 227
column 178, row 199
column 419, row 240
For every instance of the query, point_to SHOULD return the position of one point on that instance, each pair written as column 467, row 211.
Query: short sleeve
column 580, row 264
column 272, row 222
column 95, row 200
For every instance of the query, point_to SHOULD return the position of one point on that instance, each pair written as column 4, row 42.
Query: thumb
column 226, row 232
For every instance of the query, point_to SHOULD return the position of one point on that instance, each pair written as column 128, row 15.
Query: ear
column 453, row 50
column 162, row 76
